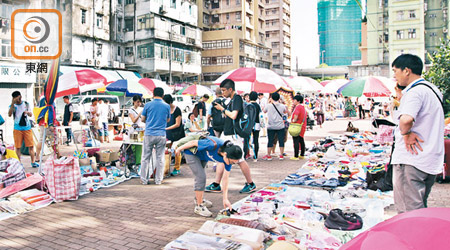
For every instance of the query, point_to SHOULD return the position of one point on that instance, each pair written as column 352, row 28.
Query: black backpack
column 244, row 126
column 218, row 120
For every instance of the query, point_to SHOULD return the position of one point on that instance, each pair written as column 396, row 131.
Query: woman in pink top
column 299, row 116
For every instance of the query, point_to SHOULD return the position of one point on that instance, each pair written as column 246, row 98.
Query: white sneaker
column 202, row 211
column 205, row 203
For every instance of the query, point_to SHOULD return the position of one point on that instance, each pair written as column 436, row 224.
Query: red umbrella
column 80, row 81
column 324, row 83
column 254, row 79
column 426, row 228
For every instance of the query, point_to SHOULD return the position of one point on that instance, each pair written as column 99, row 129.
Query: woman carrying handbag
column 297, row 127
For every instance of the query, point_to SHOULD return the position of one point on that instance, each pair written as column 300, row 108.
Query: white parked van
column 81, row 104
column 184, row 102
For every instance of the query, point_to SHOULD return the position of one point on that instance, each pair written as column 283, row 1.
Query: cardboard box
column 104, row 156
column 85, row 162
column 114, row 156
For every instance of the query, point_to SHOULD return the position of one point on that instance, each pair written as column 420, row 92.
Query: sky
column 304, row 37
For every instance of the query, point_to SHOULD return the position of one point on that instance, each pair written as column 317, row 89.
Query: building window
column 215, row 4
column 238, row 16
column 83, row 16
column 173, row 4
column 228, row 2
column 129, row 1
column 99, row 50
column 129, row 24
column 129, row 51
column 119, row 24
column 275, row 45
column 412, row 14
column 219, row 60
column 412, row 33
column 205, row 19
column 433, row 34
column 267, row 35
column 146, row 50
column 6, row 48
column 100, row 21
column 143, row 22
column 380, row 21
column 400, row 34
column 238, row 2
column 118, row 51
column 215, row 18
column 228, row 16
column 400, row 15
column 218, row 44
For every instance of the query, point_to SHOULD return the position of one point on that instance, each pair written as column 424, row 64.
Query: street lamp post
column 323, row 51
column 170, row 55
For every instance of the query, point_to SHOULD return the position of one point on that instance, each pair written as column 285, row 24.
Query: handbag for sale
column 63, row 178
column 343, row 221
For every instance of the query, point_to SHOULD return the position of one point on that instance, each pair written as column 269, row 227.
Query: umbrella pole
column 42, row 151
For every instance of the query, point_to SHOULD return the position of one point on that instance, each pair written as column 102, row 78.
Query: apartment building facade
column 138, row 35
column 233, row 36
column 278, row 34
column 397, row 27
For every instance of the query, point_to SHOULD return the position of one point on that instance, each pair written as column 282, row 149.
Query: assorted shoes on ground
column 175, row 172
column 34, row 165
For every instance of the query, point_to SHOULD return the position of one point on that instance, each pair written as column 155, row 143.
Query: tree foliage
column 439, row 73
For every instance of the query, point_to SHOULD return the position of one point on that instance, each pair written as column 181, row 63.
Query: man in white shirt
column 103, row 110
column 419, row 142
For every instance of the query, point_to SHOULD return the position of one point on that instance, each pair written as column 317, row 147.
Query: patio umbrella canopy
column 425, row 228
column 303, row 84
column 80, row 81
column 370, row 86
column 332, row 86
column 254, row 79
column 129, row 88
column 195, row 90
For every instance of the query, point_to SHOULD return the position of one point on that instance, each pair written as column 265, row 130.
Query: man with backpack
column 238, row 124
column 21, row 111
column 216, row 119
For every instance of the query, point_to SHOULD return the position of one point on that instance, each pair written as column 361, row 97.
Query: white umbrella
column 303, row 84
column 333, row 86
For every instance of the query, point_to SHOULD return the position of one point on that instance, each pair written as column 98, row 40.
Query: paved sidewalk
column 133, row 216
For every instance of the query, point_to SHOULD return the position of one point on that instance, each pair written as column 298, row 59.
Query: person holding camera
column 21, row 112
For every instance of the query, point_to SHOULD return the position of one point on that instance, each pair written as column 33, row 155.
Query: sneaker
column 301, row 157
column 284, row 154
column 205, row 203
column 255, row 160
column 248, row 188
column 281, row 158
column 214, row 189
column 34, row 165
column 175, row 172
column 202, row 211
column 295, row 158
column 267, row 158
column 248, row 157
column 143, row 182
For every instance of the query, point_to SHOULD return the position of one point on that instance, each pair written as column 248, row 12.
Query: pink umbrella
column 303, row 84
column 80, row 81
column 195, row 90
column 254, row 79
column 425, row 228
column 151, row 84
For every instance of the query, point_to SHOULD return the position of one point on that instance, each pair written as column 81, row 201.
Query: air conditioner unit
column 122, row 65
column 116, row 64
column 89, row 62
column 98, row 62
